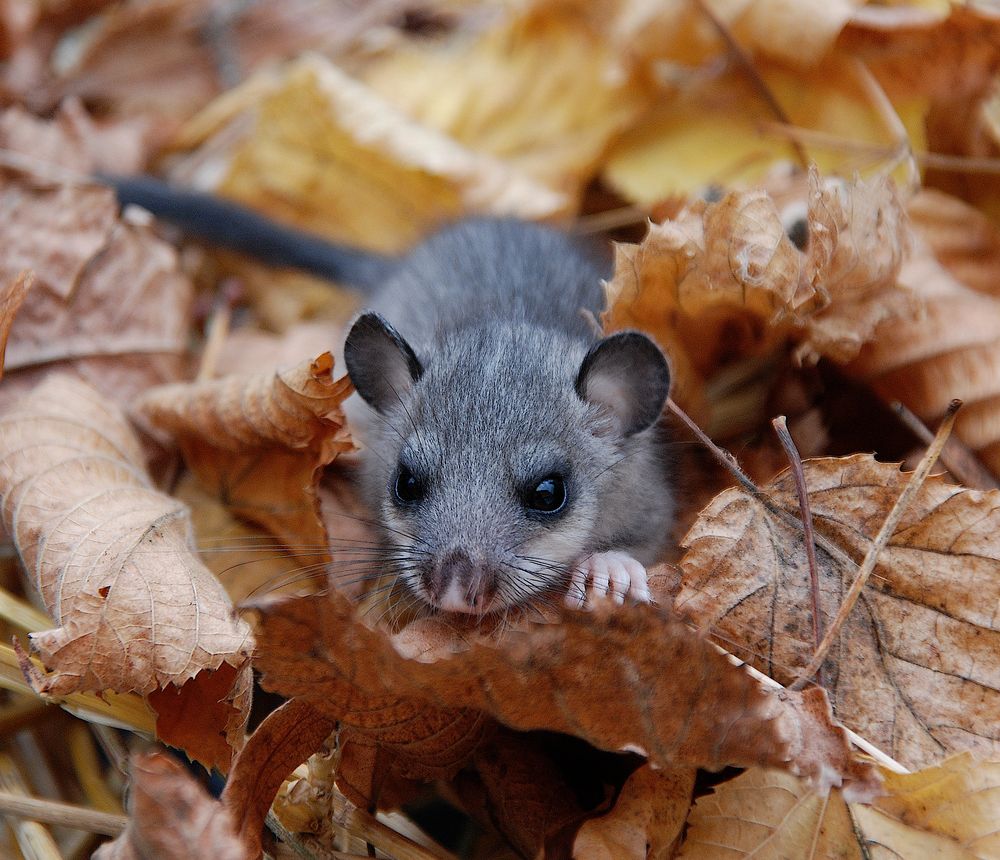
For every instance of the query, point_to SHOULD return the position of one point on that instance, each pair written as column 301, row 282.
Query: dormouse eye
column 548, row 495
column 407, row 488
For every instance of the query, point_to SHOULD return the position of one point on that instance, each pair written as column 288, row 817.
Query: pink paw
column 607, row 574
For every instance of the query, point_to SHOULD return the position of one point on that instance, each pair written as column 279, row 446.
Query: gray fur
column 496, row 314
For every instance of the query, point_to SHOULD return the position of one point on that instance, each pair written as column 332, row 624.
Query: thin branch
column 881, row 539
column 65, row 814
column 866, row 746
column 956, row 457
column 781, row 428
column 730, row 463
column 746, row 62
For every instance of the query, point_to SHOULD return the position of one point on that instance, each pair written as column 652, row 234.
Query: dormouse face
column 493, row 455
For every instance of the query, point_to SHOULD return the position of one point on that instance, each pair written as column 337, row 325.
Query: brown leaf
column 259, row 442
column 286, row 738
column 723, row 281
column 647, row 819
column 631, row 679
column 963, row 240
column 916, row 669
column 952, row 350
column 171, row 817
column 164, row 57
column 110, row 558
column 109, row 304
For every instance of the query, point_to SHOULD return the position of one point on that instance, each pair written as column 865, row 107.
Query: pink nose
column 460, row 584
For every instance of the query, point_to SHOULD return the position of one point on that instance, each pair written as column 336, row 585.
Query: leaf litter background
column 821, row 187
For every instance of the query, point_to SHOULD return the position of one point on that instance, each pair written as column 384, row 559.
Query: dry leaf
column 170, row 57
column 714, row 130
column 321, row 150
column 952, row 350
column 110, row 558
column 646, row 822
column 109, row 303
column 625, row 680
column 286, row 738
column 723, row 281
column 961, row 238
column 916, row 669
column 542, row 89
column 171, row 817
column 259, row 442
column 948, row 811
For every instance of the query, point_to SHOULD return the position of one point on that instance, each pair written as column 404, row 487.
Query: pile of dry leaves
column 822, row 187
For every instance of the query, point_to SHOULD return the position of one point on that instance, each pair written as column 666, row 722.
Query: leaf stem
column 781, row 428
column 881, row 539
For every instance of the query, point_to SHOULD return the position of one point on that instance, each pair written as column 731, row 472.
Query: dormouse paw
column 607, row 574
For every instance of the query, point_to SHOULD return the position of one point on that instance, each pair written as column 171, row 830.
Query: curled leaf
column 172, row 817
column 260, row 441
column 110, row 558
column 620, row 680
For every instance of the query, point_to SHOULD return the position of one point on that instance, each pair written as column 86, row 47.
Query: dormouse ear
column 380, row 363
column 628, row 374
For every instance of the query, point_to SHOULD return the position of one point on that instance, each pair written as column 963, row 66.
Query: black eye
column 548, row 496
column 407, row 489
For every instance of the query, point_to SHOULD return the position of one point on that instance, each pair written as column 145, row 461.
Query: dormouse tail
column 220, row 222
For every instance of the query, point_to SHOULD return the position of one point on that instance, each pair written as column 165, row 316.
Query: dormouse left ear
column 628, row 374
column 381, row 364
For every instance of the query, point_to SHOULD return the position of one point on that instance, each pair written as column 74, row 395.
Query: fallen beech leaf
column 109, row 302
column 542, row 89
column 286, row 738
column 724, row 281
column 647, row 819
column 325, row 152
column 952, row 350
column 619, row 680
column 714, row 130
column 110, row 558
column 260, row 441
column 534, row 806
column 171, row 817
column 949, row 811
column 916, row 669
column 163, row 57
column 962, row 239
column 75, row 141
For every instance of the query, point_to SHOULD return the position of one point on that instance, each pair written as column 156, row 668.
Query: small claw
column 604, row 573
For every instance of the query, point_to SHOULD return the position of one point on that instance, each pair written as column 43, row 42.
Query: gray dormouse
column 510, row 454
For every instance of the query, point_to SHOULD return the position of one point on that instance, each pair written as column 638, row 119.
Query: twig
column 866, row 746
column 729, row 462
column 881, row 539
column 886, row 111
column 781, row 428
column 759, row 84
column 217, row 331
column 937, row 160
column 956, row 457
column 66, row 814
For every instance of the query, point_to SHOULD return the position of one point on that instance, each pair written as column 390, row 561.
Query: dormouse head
column 504, row 458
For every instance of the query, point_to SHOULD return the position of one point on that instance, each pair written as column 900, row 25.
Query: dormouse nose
column 459, row 583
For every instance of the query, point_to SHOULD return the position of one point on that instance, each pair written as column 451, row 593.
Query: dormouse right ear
column 628, row 375
column 381, row 364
